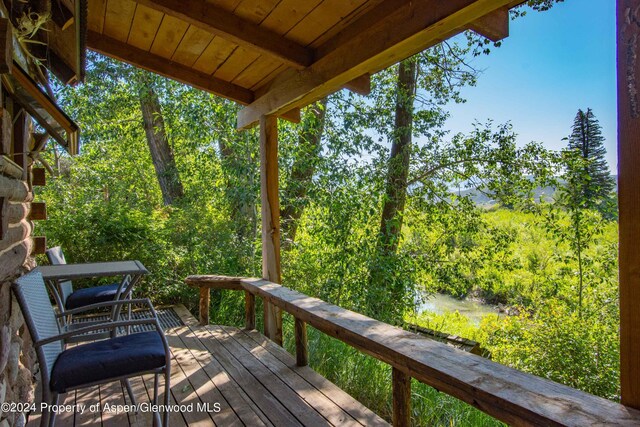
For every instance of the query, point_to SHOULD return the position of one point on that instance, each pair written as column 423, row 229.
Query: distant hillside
column 485, row 200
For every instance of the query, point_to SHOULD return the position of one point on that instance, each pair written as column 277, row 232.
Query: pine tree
column 592, row 182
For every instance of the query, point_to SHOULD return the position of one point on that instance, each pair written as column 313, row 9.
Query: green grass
column 369, row 381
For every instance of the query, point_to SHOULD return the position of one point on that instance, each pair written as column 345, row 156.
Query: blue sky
column 552, row 64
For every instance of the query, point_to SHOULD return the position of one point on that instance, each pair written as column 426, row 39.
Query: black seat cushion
column 112, row 358
column 92, row 295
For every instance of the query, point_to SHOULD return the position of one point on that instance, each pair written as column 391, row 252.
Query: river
column 441, row 303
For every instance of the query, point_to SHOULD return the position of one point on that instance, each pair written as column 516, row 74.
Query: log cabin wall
column 18, row 366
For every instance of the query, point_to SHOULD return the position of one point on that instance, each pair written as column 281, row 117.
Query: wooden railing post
column 270, row 221
column 204, row 305
column 401, row 398
column 249, row 311
column 302, row 347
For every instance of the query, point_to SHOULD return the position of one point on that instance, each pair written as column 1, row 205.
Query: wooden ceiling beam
column 167, row 68
column 225, row 24
column 387, row 34
column 494, row 26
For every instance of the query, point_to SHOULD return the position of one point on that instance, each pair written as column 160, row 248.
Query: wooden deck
column 254, row 381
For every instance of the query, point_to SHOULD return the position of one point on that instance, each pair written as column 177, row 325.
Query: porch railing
column 507, row 394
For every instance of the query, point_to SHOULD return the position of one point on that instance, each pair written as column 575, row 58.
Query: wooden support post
column 249, row 311
column 205, row 296
column 38, row 176
column 6, row 46
column 39, row 245
column 629, row 198
column 38, row 211
column 302, row 348
column 21, row 142
column 5, row 131
column 270, row 221
column 401, row 398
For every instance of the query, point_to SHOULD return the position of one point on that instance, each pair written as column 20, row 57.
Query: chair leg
column 46, row 414
column 156, row 414
column 127, row 385
column 52, row 414
column 155, row 389
column 44, row 419
column 167, row 390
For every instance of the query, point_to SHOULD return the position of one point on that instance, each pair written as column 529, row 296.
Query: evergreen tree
column 592, row 182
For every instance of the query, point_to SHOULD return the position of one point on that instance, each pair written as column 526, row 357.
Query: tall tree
column 592, row 183
column 294, row 197
column 161, row 152
column 398, row 169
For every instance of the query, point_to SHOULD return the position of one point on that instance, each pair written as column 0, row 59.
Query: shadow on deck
column 225, row 376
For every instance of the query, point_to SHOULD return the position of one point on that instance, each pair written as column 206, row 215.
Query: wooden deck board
column 332, row 412
column 113, row 394
column 255, row 382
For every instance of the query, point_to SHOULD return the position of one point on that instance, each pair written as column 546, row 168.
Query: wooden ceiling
column 276, row 56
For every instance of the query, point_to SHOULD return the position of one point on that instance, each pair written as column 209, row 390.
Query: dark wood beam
column 494, row 26
column 235, row 29
column 165, row 67
column 628, row 34
column 387, row 34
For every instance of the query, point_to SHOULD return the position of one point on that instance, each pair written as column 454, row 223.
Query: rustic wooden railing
column 510, row 395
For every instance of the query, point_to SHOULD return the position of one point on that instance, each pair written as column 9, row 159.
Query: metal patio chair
column 98, row 362
column 68, row 299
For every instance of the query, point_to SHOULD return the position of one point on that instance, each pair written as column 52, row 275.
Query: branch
column 447, row 165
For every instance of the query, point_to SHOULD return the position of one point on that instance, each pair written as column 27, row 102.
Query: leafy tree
column 303, row 167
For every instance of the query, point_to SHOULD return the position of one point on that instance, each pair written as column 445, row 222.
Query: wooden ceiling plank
column 494, row 26
column 118, row 18
column 173, row 70
column 144, row 27
column 168, row 37
column 214, row 55
column 264, row 83
column 97, row 10
column 262, row 67
column 235, row 29
column 239, row 60
column 385, row 40
column 255, row 10
column 346, row 22
column 321, row 19
column 287, row 14
column 194, row 42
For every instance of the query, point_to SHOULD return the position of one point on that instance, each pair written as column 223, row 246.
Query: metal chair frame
column 48, row 341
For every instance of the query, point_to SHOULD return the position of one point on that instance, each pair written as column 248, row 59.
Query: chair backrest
column 31, row 293
column 56, row 257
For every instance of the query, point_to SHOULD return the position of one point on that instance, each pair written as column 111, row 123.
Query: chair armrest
column 144, row 301
column 98, row 327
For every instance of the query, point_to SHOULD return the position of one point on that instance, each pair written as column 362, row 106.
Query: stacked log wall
column 18, row 363
column 17, row 359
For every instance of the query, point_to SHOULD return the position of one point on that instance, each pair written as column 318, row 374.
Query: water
column 441, row 304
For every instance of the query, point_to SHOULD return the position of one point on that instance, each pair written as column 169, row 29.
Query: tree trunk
column 304, row 166
column 239, row 166
column 398, row 172
column 385, row 294
column 161, row 153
